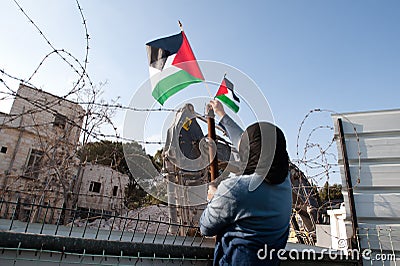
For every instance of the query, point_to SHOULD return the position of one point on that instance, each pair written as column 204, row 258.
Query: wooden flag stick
column 211, row 148
column 208, row 89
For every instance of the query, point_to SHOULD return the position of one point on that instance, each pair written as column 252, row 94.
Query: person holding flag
column 247, row 212
column 249, row 221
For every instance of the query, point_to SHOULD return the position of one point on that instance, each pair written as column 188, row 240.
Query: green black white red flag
column 226, row 95
column 173, row 66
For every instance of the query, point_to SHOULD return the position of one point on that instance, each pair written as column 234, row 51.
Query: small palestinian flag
column 173, row 66
column 226, row 95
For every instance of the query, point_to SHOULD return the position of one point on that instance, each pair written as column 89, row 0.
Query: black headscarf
column 264, row 145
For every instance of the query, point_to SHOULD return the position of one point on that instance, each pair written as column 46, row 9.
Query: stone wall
column 30, row 125
column 102, row 188
column 38, row 141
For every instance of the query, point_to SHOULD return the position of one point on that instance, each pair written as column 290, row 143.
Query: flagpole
column 211, row 132
column 208, row 89
column 180, row 25
column 212, row 149
column 222, row 80
column 205, row 83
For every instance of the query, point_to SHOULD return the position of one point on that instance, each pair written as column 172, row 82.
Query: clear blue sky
column 340, row 55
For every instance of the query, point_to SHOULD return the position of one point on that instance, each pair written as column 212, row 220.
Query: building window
column 60, row 121
column 3, row 149
column 115, row 191
column 94, row 187
column 33, row 166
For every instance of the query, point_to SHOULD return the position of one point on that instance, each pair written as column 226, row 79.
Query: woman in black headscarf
column 250, row 212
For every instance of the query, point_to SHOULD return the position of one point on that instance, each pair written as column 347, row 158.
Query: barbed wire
column 87, row 43
column 58, row 52
column 322, row 151
column 117, row 106
column 97, row 136
column 96, row 113
column 130, row 108
column 3, row 72
column 36, row 192
column 319, row 163
column 117, row 137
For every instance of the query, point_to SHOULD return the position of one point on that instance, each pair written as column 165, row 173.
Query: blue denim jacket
column 245, row 221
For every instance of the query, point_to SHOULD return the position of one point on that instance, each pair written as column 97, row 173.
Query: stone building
column 102, row 189
column 38, row 145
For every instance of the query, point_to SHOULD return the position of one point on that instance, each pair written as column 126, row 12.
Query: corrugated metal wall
column 373, row 148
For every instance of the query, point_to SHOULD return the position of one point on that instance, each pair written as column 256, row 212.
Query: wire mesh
column 99, row 237
column 380, row 244
column 45, row 220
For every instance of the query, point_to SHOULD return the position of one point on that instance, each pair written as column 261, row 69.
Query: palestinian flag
column 173, row 66
column 226, row 95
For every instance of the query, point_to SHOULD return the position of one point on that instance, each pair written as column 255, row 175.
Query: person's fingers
column 218, row 108
column 214, row 103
